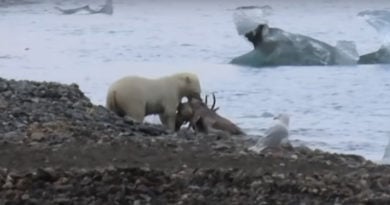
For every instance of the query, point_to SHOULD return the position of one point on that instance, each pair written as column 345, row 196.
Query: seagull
column 386, row 155
column 275, row 135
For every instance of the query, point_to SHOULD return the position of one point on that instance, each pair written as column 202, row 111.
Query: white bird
column 275, row 135
column 386, row 155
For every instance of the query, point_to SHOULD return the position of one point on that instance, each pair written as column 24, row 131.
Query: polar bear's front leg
column 168, row 120
column 163, row 120
column 172, row 122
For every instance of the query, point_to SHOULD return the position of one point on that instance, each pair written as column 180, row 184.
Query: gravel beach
column 56, row 147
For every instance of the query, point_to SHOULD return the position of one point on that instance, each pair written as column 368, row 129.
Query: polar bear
column 138, row 97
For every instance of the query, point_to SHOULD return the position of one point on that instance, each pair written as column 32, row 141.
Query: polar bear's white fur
column 138, row 97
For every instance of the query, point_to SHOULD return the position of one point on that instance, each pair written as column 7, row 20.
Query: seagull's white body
column 386, row 155
column 275, row 135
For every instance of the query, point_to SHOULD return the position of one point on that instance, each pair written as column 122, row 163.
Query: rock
column 71, row 114
column 3, row 104
column 13, row 136
column 25, row 197
column 219, row 146
column 37, row 136
column 3, row 85
column 62, row 201
column 23, row 184
column 45, row 175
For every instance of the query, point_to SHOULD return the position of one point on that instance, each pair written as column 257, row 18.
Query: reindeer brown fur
column 204, row 119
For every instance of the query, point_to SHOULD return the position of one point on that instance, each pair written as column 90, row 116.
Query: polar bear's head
column 189, row 85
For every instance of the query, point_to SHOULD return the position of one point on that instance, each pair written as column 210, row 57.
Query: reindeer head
column 184, row 114
column 187, row 110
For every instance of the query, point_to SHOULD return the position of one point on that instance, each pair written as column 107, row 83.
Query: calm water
column 341, row 109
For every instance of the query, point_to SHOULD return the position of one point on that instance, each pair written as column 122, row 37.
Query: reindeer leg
column 218, row 132
column 189, row 126
column 194, row 122
column 212, row 128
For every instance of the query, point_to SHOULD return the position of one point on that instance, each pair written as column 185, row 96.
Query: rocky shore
column 56, row 147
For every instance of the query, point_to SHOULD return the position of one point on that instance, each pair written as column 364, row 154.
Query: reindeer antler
column 213, row 108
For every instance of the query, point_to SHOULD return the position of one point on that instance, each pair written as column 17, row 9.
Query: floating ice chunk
column 381, row 56
column 348, row 49
column 274, row 46
column 247, row 18
column 380, row 21
column 276, row 135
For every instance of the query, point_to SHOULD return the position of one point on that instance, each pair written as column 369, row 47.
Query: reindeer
column 204, row 119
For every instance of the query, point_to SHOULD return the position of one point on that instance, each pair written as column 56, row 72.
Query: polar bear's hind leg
column 135, row 113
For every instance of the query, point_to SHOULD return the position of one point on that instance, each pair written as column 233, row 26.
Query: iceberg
column 381, row 56
column 247, row 18
column 380, row 21
column 274, row 47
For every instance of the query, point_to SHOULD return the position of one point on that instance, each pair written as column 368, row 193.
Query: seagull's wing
column 386, row 156
column 274, row 135
column 272, row 138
